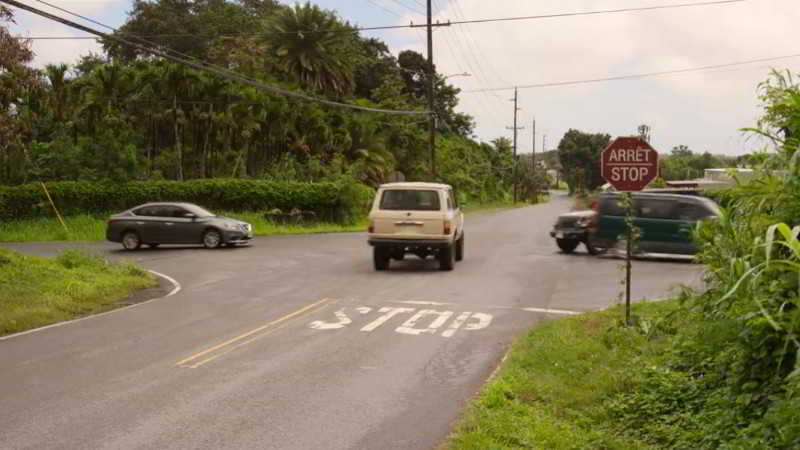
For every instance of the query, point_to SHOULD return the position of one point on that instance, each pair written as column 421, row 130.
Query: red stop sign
column 629, row 164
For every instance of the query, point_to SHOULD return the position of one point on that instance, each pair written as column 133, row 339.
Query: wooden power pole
column 515, row 128
column 431, row 79
column 533, row 164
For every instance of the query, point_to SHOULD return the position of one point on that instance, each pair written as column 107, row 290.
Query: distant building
column 714, row 178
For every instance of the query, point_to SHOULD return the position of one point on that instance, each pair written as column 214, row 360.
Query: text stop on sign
column 629, row 164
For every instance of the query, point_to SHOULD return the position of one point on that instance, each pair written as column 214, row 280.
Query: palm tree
column 59, row 88
column 177, row 81
column 313, row 47
column 104, row 92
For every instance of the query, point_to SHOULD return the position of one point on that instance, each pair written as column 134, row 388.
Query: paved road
column 296, row 343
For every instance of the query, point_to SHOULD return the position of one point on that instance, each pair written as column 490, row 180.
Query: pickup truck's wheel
column 567, row 245
column 447, row 258
column 593, row 249
column 380, row 257
column 460, row 247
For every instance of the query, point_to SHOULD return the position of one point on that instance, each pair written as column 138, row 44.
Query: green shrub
column 341, row 201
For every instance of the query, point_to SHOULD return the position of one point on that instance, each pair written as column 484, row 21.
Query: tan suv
column 419, row 218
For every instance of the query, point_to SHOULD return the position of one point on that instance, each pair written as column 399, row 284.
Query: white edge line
column 174, row 290
column 553, row 311
column 411, row 302
column 34, row 330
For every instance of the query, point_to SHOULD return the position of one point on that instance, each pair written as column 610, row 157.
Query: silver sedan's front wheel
column 212, row 239
column 131, row 241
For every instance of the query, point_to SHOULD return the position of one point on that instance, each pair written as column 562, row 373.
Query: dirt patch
column 163, row 287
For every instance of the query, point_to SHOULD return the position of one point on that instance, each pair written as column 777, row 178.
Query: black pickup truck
column 572, row 229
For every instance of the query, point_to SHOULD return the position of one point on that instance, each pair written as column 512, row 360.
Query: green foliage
column 730, row 377
column 713, row 369
column 343, row 201
column 551, row 390
column 38, row 291
column 131, row 117
column 683, row 164
column 478, row 172
column 579, row 155
column 313, row 47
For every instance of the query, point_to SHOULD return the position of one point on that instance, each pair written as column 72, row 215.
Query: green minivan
column 666, row 221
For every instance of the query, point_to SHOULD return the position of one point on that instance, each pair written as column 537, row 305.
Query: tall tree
column 190, row 27
column 17, row 81
column 579, row 154
column 314, row 48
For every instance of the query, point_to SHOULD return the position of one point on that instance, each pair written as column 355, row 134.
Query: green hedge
column 341, row 201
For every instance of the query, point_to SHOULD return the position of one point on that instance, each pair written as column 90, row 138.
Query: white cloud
column 47, row 51
column 704, row 110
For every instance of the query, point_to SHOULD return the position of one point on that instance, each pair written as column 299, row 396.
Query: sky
column 704, row 110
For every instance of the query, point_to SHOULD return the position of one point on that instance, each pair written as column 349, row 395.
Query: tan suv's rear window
column 410, row 200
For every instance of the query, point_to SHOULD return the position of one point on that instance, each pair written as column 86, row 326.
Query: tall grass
column 37, row 291
column 93, row 228
column 552, row 389
column 79, row 228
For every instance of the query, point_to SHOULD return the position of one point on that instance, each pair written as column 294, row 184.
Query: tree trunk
column 177, row 136
column 208, row 136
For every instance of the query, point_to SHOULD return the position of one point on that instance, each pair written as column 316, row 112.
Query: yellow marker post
column 54, row 207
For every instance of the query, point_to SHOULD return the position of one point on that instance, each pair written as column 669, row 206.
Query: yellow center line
column 246, row 335
column 230, row 349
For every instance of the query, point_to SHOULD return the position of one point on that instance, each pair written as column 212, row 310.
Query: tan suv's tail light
column 447, row 226
column 371, row 227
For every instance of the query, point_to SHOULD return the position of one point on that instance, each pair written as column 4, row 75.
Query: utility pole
column 515, row 128
column 431, row 76
column 533, row 164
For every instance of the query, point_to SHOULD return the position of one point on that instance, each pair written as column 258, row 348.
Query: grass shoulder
column 473, row 209
column 553, row 388
column 85, row 227
column 92, row 228
column 36, row 291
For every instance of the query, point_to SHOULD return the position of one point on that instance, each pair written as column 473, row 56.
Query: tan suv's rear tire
column 447, row 258
column 460, row 248
column 381, row 258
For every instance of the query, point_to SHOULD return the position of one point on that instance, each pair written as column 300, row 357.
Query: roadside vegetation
column 36, row 291
column 553, row 388
column 92, row 227
column 716, row 368
column 121, row 116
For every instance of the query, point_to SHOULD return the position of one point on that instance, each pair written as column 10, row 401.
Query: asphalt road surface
column 296, row 342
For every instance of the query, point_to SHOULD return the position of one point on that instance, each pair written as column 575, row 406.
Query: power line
column 482, row 56
column 448, row 23
column 602, row 11
column 399, row 2
column 140, row 39
column 472, row 70
column 385, row 9
column 633, row 76
column 206, row 68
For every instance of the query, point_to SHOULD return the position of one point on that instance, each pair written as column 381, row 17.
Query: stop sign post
column 629, row 164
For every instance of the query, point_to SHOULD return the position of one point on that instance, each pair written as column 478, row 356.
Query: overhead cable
column 205, row 68
column 632, row 76
column 602, row 11
column 455, row 22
